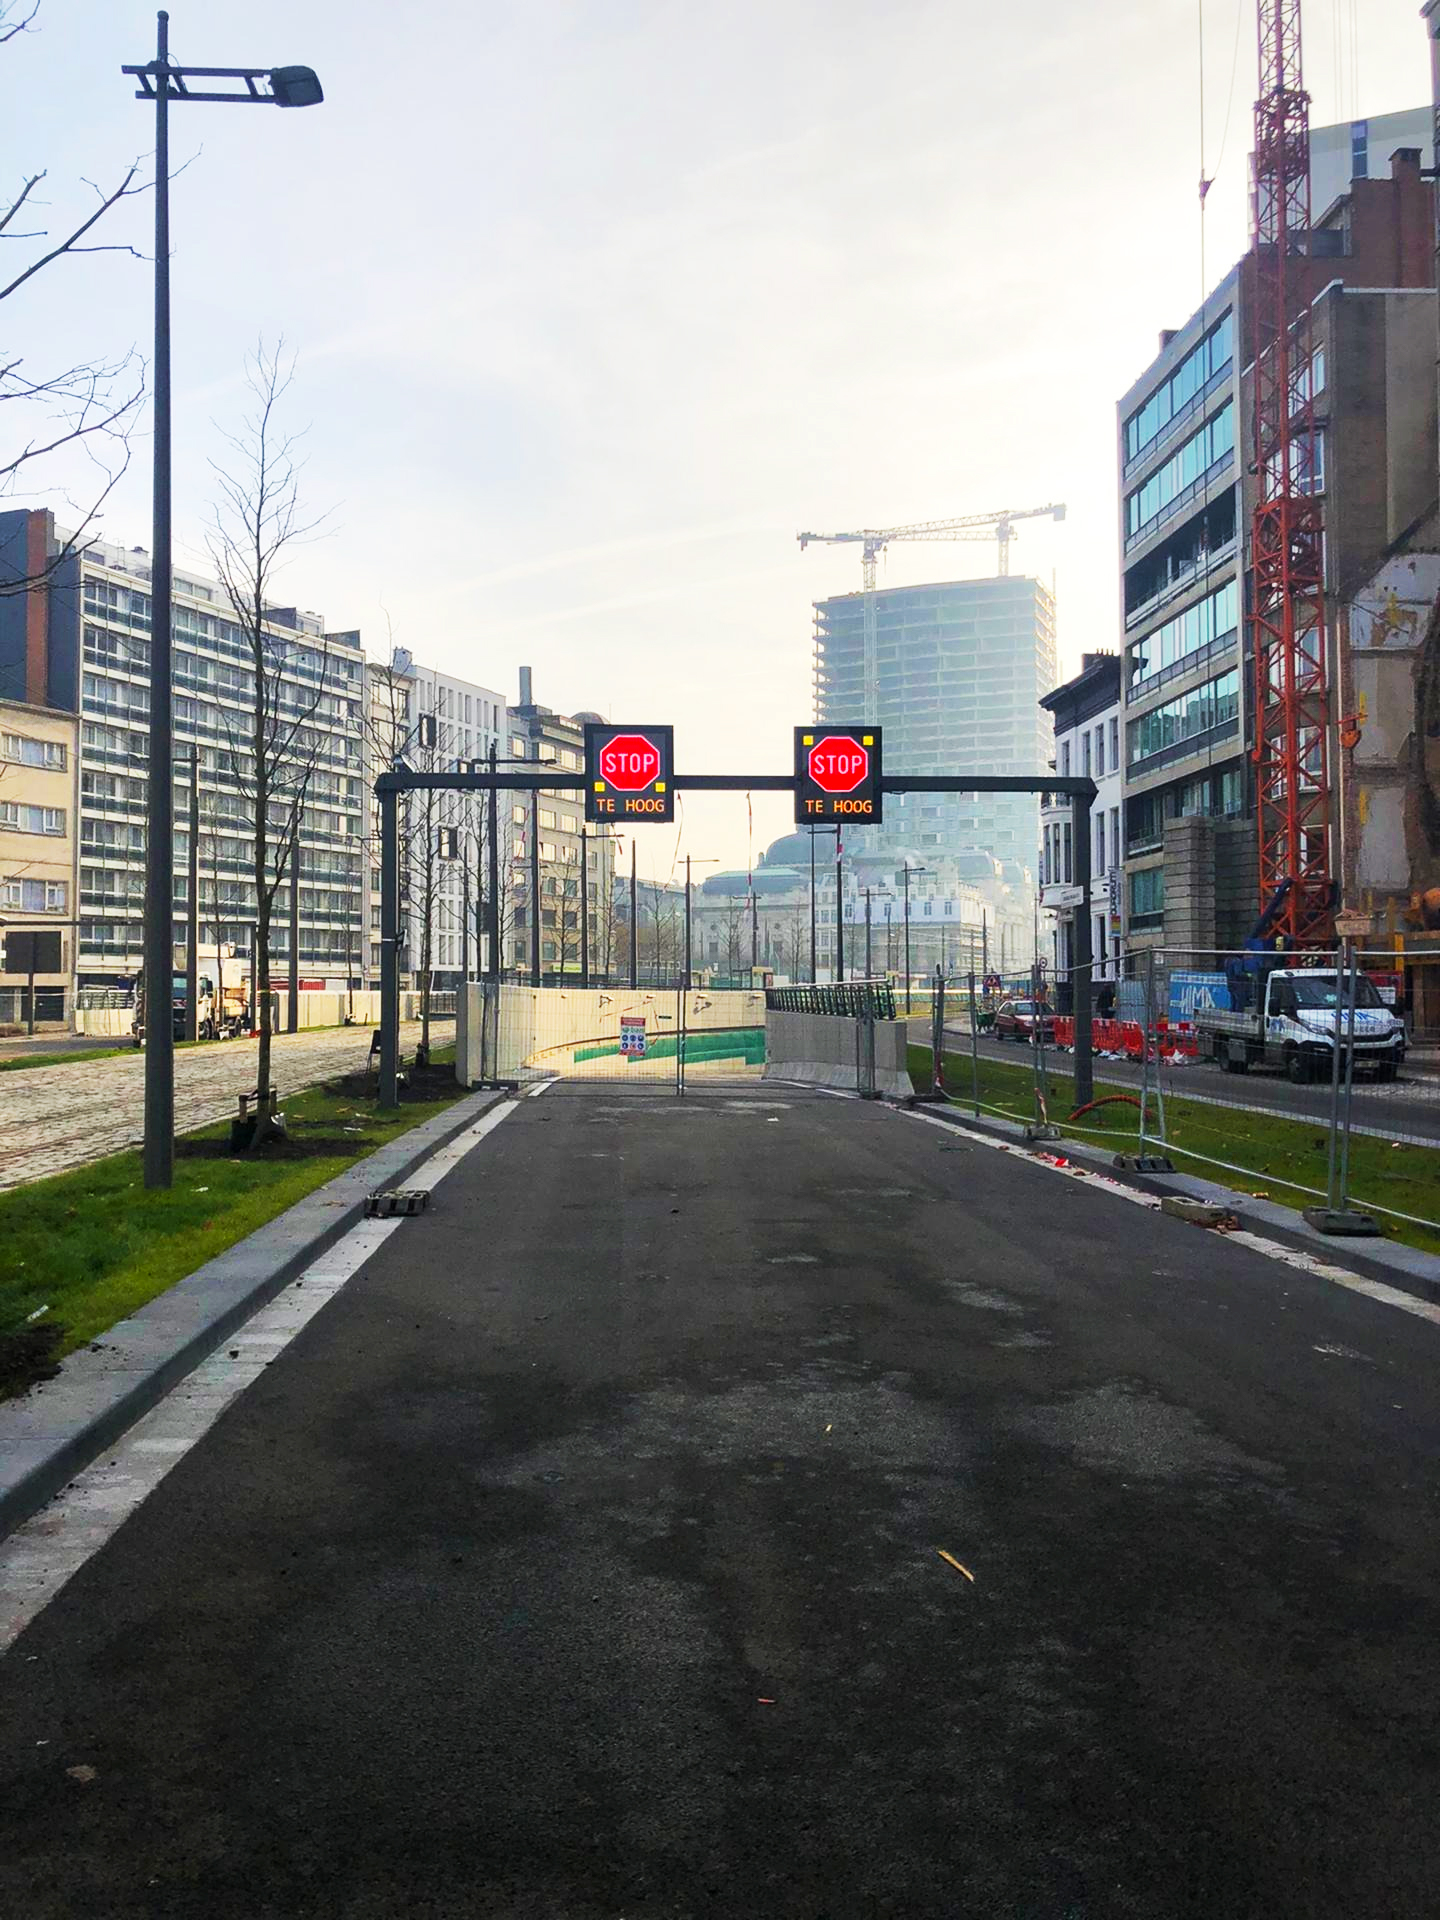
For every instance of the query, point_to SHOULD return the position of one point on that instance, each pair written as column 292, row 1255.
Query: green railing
column 850, row 1000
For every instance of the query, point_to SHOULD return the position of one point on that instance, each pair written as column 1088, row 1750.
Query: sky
column 595, row 303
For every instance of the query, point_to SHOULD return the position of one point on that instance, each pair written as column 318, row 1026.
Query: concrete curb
column 51, row 1433
column 1396, row 1265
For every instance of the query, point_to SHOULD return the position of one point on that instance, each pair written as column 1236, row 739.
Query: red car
column 1015, row 1020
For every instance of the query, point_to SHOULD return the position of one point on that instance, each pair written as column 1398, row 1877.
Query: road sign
column 629, row 773
column 837, row 775
column 632, row 1036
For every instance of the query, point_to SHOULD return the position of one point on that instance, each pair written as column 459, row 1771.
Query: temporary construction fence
column 1253, row 1033
column 645, row 1037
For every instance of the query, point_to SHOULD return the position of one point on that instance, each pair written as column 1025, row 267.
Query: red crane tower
column 1292, row 700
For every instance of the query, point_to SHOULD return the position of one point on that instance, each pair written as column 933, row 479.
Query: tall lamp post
column 813, row 832
column 162, row 82
column 905, row 873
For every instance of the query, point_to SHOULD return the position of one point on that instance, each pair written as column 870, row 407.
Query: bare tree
column 86, row 410
column 257, row 517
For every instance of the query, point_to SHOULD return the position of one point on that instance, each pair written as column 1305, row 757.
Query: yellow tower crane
column 873, row 541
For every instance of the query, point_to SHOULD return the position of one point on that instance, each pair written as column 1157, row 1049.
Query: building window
column 20, row 818
column 21, row 751
column 1147, row 897
column 1190, row 462
column 1064, row 759
column 1213, row 708
column 1115, row 830
column 1099, row 753
column 1214, row 619
column 1198, row 367
column 1085, row 766
column 1114, row 743
column 1100, row 843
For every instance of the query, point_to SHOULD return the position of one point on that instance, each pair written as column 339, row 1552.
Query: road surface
column 584, row 1558
column 1405, row 1109
column 53, row 1118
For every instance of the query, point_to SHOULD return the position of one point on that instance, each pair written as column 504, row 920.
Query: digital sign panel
column 837, row 775
column 629, row 773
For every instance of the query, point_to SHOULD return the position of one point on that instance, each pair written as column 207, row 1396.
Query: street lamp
column 905, row 874
column 162, row 82
column 813, row 831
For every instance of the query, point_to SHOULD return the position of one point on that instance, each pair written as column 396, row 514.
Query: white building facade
column 1088, row 744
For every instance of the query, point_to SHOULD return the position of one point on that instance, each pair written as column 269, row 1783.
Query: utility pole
column 192, row 957
column 584, row 908
column 906, row 872
column 812, row 906
column 535, row 882
column 292, row 1011
column 687, row 923
column 839, row 911
column 464, row 914
column 493, row 855
column 634, row 920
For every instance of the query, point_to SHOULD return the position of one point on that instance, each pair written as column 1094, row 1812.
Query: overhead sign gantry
column 630, row 776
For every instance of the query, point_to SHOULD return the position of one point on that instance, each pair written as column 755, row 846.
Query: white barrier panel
column 829, row 1050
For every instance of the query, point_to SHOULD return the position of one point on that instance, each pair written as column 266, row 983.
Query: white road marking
column 1295, row 1257
column 39, row 1558
column 541, row 1086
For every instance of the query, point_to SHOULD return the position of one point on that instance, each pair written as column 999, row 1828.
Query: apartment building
column 1186, row 500
column 78, row 644
column 565, row 849
column 437, row 722
column 37, row 854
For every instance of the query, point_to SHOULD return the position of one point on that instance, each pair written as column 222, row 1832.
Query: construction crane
column 1292, row 697
column 873, row 541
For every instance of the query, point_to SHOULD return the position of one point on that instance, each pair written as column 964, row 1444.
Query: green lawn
column 1279, row 1156
column 86, row 1248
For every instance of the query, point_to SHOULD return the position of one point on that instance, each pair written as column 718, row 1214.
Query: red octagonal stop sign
column 629, row 762
column 838, row 764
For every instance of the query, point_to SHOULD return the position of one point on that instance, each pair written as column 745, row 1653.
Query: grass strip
column 27, row 1062
column 1289, row 1156
column 84, row 1249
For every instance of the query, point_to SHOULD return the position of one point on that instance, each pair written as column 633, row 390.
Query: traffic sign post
column 629, row 774
column 837, row 775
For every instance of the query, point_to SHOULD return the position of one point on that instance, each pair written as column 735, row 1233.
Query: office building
column 962, row 666
column 77, row 643
column 1192, row 871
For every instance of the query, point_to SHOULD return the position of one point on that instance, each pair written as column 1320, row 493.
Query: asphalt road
column 582, row 1559
column 1408, row 1107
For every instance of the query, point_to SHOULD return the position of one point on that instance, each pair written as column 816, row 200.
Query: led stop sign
column 629, row 773
column 837, row 774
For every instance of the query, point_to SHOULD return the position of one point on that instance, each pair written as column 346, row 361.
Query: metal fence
column 1313, row 1079
column 851, row 1000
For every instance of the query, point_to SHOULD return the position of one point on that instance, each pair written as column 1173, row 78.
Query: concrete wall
column 824, row 1050
column 532, row 1032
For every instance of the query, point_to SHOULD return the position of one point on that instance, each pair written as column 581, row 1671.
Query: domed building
column 960, row 910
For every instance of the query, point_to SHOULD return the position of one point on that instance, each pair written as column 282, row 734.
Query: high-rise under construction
column 960, row 667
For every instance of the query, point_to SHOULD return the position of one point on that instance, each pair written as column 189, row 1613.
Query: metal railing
column 850, row 1000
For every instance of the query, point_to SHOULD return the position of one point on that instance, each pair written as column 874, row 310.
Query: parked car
column 1015, row 1020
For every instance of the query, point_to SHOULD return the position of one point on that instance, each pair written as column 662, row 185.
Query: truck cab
column 1293, row 1024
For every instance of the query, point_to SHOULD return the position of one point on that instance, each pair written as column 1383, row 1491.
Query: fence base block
column 1042, row 1130
column 1144, row 1163
column 1199, row 1213
column 1342, row 1220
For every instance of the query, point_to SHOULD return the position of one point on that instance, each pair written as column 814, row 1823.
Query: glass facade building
column 962, row 666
